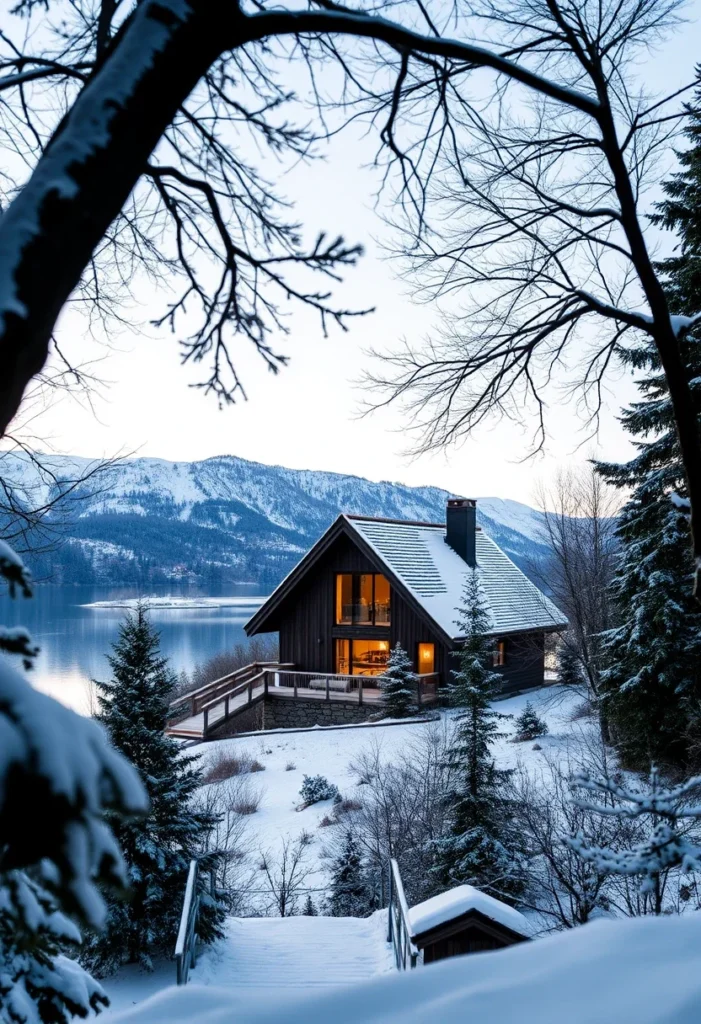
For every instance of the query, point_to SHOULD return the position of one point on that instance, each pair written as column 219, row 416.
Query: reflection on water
column 74, row 639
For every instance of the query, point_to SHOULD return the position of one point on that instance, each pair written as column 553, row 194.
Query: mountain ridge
column 227, row 519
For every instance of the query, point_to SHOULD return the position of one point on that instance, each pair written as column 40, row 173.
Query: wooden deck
column 200, row 713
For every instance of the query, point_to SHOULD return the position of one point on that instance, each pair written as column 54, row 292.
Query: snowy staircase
column 296, row 953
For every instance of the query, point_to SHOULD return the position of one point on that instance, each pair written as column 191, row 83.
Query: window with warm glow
column 362, row 599
column 361, row 657
column 427, row 658
column 499, row 657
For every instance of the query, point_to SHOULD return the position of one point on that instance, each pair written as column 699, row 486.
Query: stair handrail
column 399, row 930
column 238, row 688
column 240, row 674
column 186, row 942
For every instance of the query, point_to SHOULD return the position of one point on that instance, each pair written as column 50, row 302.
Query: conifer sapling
column 398, row 685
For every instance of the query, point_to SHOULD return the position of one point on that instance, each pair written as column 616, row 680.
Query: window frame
column 499, row 654
column 355, row 592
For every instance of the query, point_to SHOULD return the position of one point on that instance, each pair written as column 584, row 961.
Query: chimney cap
column 462, row 503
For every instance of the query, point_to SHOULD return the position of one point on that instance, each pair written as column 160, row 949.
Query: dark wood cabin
column 469, row 932
column 368, row 584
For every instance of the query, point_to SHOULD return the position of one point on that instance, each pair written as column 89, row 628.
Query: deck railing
column 216, row 703
column 399, row 931
column 194, row 702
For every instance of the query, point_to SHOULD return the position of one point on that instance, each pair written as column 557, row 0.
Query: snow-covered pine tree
column 159, row 846
column 652, row 671
column 528, row 725
column 351, row 893
column 665, row 811
column 57, row 776
column 398, row 685
column 569, row 667
column 477, row 849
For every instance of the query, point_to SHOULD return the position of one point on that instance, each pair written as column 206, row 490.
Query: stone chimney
column 460, row 527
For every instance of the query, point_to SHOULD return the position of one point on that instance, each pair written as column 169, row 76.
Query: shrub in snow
column 316, row 788
column 398, row 685
column 476, row 849
column 309, row 908
column 58, row 776
column 528, row 725
column 157, row 847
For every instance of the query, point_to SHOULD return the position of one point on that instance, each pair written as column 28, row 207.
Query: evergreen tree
column 309, row 908
column 652, row 672
column 476, row 850
column 528, row 725
column 569, row 666
column 159, row 846
column 398, row 685
column 351, row 893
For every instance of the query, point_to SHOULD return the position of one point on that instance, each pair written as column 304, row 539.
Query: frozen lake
column 75, row 625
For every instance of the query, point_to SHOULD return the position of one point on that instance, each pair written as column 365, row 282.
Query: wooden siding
column 306, row 619
column 524, row 666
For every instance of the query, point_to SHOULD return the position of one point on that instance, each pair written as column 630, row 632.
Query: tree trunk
column 84, row 177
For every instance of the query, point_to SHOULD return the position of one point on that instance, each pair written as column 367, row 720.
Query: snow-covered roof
column 435, row 575
column 447, row 906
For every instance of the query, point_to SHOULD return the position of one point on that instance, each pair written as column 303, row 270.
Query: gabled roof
column 463, row 899
column 431, row 575
column 435, row 575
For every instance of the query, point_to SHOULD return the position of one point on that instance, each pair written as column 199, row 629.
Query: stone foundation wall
column 250, row 720
column 285, row 713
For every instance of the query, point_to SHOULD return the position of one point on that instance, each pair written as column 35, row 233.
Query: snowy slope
column 640, row 971
column 250, row 519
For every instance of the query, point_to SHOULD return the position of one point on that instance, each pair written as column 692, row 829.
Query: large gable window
column 362, row 599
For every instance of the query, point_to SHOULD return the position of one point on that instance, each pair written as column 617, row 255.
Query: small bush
column 326, row 821
column 226, row 766
column 246, row 803
column 306, row 838
column 528, row 725
column 316, row 788
column 348, row 806
column 536, row 746
column 290, row 766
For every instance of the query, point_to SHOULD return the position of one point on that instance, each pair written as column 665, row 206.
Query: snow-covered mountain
column 225, row 517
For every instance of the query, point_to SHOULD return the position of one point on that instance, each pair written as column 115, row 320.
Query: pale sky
column 306, row 416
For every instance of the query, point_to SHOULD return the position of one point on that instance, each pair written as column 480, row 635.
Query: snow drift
column 644, row 971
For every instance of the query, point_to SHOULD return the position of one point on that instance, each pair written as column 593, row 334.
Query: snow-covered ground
column 287, row 757
column 640, row 971
column 295, row 953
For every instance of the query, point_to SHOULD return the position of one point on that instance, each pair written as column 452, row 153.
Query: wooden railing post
column 418, row 691
column 205, row 722
column 250, row 691
column 226, row 708
column 294, row 683
column 265, row 683
column 328, row 691
column 360, row 690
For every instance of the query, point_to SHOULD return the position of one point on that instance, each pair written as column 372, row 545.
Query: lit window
column 427, row 659
column 499, row 656
column 362, row 599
